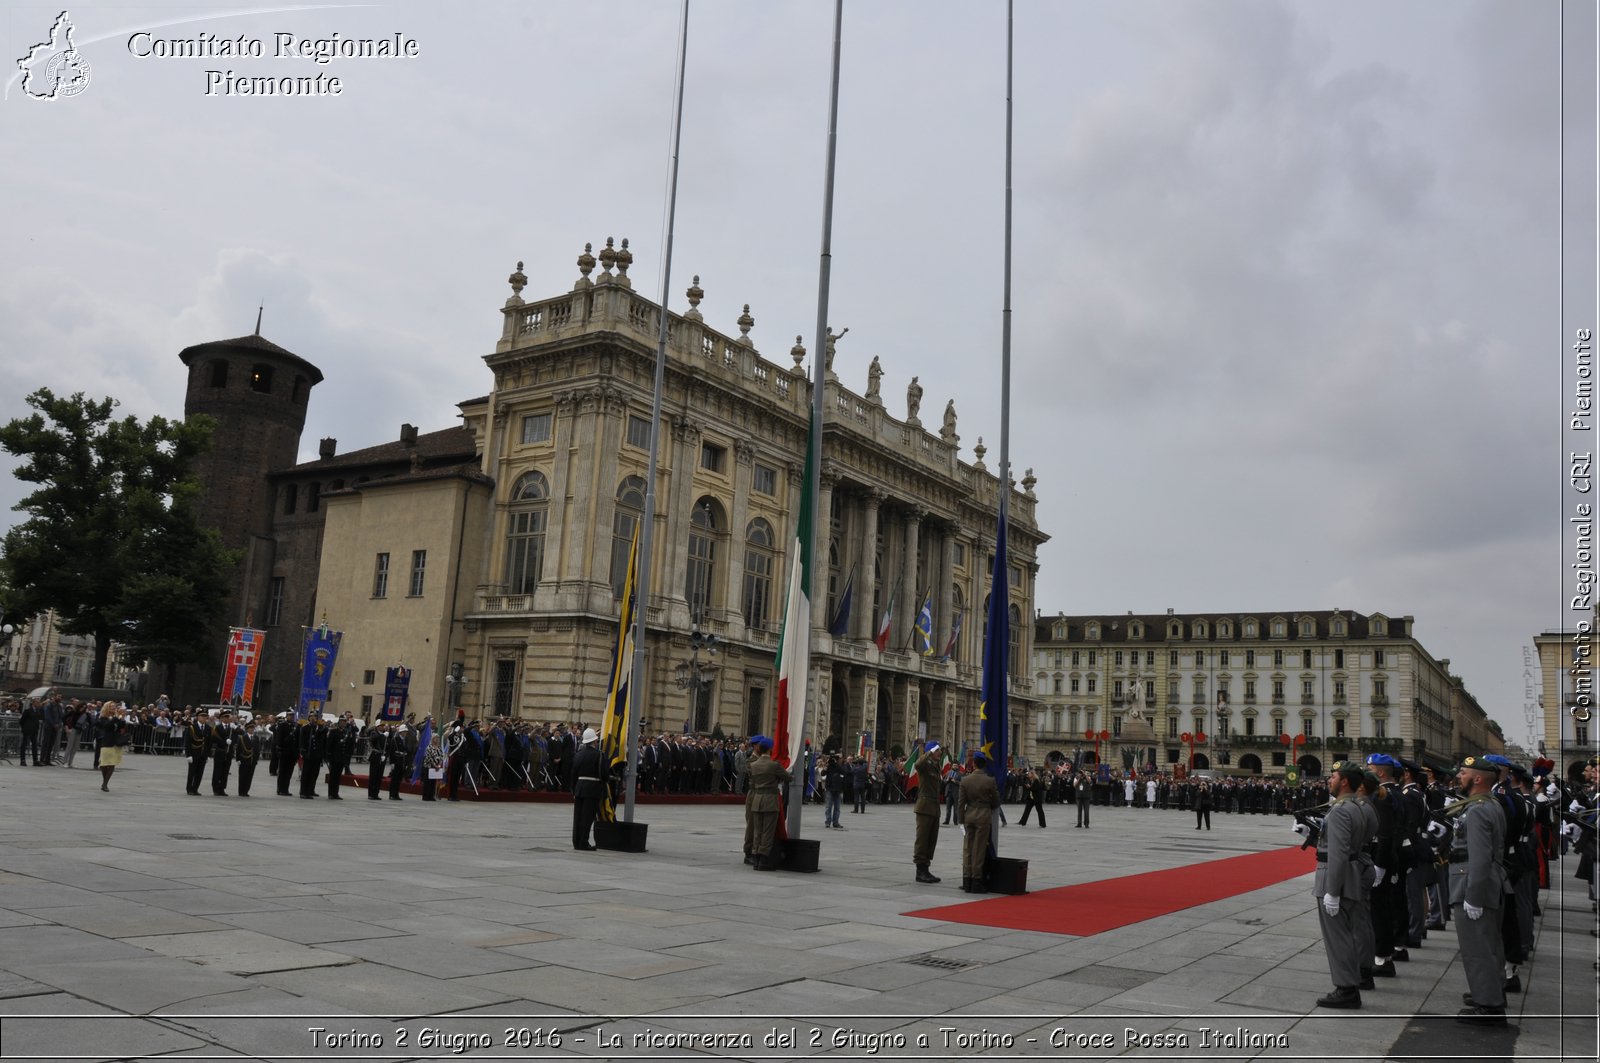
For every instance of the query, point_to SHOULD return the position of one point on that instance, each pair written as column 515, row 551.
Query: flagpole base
column 621, row 837
column 800, row 854
column 1006, row 875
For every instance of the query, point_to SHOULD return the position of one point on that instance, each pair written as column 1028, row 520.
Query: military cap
column 1412, row 766
column 1350, row 770
column 1543, row 766
column 1522, row 774
column 980, row 757
column 1382, row 760
column 1482, row 764
column 1497, row 760
column 761, row 742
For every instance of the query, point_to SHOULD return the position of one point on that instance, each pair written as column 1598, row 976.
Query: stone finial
column 798, row 353
column 746, row 323
column 977, row 454
column 585, row 265
column 624, row 260
column 608, row 259
column 517, row 280
column 695, row 293
column 1028, row 480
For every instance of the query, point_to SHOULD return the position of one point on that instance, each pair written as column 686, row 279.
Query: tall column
column 685, row 455
column 604, row 481
column 738, row 517
column 574, row 478
column 819, row 548
column 914, row 591
column 947, row 574
column 864, row 624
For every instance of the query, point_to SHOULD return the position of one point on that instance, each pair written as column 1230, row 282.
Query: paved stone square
column 145, row 924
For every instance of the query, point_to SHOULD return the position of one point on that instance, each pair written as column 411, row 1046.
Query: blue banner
column 396, row 690
column 316, row 670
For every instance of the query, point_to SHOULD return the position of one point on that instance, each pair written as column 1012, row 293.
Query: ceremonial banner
column 924, row 626
column 396, row 691
column 424, row 740
column 992, row 713
column 243, row 660
column 316, row 669
column 794, row 644
column 614, row 724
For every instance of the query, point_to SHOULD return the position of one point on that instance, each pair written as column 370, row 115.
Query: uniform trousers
column 1083, row 810
column 374, row 777
column 1341, row 941
column 1416, row 888
column 927, row 837
column 1483, row 956
column 247, row 772
column 975, row 845
column 197, row 772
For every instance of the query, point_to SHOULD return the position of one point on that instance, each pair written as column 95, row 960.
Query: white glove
column 1472, row 910
column 1377, row 876
column 1573, row 832
column 1302, row 830
column 1438, row 829
column 1330, row 904
column 1575, row 807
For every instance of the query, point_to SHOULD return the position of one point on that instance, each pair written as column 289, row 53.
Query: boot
column 1513, row 984
column 1342, row 997
column 923, row 874
column 966, row 884
column 1482, row 1015
column 766, row 862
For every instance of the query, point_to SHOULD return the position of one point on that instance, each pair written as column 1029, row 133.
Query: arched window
column 757, row 574
column 529, row 508
column 835, row 588
column 261, row 378
column 1014, row 650
column 702, row 558
column 313, row 496
column 219, row 373
column 958, row 606
column 624, row 525
column 290, row 494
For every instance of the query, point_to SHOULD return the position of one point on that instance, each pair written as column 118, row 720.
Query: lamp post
column 1291, row 743
column 694, row 676
column 6, row 631
column 454, row 682
column 1197, row 738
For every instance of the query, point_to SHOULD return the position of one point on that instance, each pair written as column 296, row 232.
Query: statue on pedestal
column 913, row 400
column 874, row 377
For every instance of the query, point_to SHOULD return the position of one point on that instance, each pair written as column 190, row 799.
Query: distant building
column 1254, row 692
column 38, row 654
column 1567, row 698
column 521, row 559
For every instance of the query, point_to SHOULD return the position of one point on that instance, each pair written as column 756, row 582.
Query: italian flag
column 794, row 645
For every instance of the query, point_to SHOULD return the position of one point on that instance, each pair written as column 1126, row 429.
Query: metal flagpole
column 1005, row 360
column 641, row 587
column 819, row 368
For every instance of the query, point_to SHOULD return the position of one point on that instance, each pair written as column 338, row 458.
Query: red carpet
column 1095, row 907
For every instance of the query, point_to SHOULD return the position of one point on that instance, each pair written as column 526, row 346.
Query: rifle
column 1312, row 823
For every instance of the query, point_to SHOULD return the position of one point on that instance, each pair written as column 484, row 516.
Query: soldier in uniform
column 975, row 805
column 377, row 752
column 199, row 746
column 762, row 803
column 286, row 749
column 341, row 744
column 1339, row 887
column 927, row 812
column 588, row 787
column 468, row 754
column 219, row 743
column 1477, row 892
column 313, row 747
column 246, row 752
column 1416, row 857
column 1388, row 893
column 402, row 750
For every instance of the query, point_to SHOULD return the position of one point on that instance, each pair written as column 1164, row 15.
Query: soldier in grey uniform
column 1477, row 892
column 927, row 812
column 1339, row 887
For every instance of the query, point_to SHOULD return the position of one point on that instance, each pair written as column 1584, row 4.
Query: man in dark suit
column 286, row 746
column 341, row 745
column 313, row 748
column 377, row 756
column 247, row 744
column 1083, row 792
column 219, row 743
column 198, row 747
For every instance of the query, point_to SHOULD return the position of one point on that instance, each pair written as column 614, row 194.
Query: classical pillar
column 863, row 623
column 901, row 638
column 819, row 548
column 738, row 517
column 605, row 481
column 946, row 576
column 685, row 455
column 574, row 478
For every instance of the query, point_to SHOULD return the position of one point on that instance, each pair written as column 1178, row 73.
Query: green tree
column 112, row 542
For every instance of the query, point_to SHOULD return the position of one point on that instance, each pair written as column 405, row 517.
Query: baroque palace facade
column 499, row 584
column 1249, row 693
column 1565, row 695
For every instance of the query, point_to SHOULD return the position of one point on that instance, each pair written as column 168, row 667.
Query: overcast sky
column 1286, row 273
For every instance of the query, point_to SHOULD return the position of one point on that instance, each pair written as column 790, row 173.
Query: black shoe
column 373, row 797
column 924, row 875
column 1415, row 944
column 1341, row 997
column 586, row 848
column 1367, row 982
column 1383, row 970
column 335, row 797
column 392, row 797
column 1401, row 956
column 750, row 859
column 308, row 797
column 1482, row 1015
column 1514, row 984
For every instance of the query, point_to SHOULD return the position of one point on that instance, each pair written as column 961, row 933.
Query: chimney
column 327, row 448
column 408, row 434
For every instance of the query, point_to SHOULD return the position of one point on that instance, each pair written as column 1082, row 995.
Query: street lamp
column 454, row 683
column 6, row 631
column 694, row 676
column 1197, row 738
column 1292, row 742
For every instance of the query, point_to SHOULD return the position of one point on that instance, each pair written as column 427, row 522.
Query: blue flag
column 316, row 670
column 424, row 740
column 925, row 625
column 841, row 619
column 996, row 656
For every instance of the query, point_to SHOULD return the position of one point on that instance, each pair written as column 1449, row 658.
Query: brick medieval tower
column 257, row 393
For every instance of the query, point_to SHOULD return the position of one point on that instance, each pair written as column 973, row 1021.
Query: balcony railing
column 1379, row 745
column 1277, row 699
column 1308, row 699
column 1380, row 701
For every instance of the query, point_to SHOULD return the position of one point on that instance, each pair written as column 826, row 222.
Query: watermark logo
column 54, row 69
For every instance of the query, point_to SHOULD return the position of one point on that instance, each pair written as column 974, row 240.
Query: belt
column 588, row 778
column 1322, row 858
